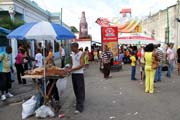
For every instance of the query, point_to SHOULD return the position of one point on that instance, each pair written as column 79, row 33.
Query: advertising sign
column 110, row 38
column 109, row 34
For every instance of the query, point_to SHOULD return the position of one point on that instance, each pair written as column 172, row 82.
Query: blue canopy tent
column 41, row 31
column 4, row 30
column 3, row 33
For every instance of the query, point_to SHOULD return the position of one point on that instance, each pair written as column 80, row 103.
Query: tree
column 7, row 23
column 74, row 29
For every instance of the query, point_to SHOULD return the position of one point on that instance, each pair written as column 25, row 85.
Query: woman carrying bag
column 150, row 68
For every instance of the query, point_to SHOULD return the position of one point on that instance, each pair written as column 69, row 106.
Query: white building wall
column 158, row 22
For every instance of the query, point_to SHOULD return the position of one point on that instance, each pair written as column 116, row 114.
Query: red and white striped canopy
column 131, row 38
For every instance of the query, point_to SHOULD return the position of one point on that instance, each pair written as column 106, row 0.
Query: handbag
column 155, row 62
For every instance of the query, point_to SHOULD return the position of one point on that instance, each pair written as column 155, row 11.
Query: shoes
column 77, row 112
column 146, row 91
column 3, row 97
column 9, row 95
column 110, row 76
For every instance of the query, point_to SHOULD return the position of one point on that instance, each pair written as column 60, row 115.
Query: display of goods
column 49, row 71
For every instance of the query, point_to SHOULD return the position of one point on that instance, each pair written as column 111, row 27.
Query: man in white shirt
column 170, row 59
column 78, row 77
column 38, row 59
column 62, row 55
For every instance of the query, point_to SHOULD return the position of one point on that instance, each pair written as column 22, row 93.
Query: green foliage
column 7, row 23
column 74, row 29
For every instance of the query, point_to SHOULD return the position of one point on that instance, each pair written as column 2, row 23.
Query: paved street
column 118, row 98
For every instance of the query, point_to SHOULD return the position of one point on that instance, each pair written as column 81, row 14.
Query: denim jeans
column 133, row 72
column 170, row 68
column 158, row 73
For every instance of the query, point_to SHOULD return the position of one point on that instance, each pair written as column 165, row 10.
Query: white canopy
column 138, row 38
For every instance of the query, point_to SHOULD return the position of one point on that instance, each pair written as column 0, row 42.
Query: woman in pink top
column 19, row 65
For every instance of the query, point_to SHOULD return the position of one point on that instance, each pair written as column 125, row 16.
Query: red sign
column 109, row 34
column 127, row 10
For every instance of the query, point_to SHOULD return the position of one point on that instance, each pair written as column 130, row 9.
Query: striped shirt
column 159, row 54
column 106, row 56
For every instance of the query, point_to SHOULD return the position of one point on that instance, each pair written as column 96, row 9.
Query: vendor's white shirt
column 76, row 62
column 39, row 59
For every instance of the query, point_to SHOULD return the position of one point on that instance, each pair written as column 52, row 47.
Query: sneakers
column 77, row 112
column 9, row 95
column 3, row 97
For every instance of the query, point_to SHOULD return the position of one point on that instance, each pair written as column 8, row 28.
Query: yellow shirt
column 133, row 60
column 148, row 58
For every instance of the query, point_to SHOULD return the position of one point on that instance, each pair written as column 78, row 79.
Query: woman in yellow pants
column 149, row 72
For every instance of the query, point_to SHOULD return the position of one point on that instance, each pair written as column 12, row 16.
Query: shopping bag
column 28, row 107
column 44, row 111
column 61, row 85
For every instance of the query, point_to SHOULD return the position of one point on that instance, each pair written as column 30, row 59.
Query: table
column 47, row 96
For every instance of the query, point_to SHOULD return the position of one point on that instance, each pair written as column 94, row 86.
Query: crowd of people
column 152, row 60
column 149, row 58
column 23, row 62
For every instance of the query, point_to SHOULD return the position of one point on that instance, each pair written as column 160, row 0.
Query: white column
column 52, row 43
column 32, row 48
column 14, row 49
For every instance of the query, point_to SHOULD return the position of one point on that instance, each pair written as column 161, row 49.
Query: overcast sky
column 101, row 8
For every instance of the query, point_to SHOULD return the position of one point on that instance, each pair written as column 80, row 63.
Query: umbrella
column 4, row 30
column 41, row 31
column 129, row 38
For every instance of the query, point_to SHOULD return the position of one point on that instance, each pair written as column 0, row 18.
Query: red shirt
column 19, row 58
column 139, row 54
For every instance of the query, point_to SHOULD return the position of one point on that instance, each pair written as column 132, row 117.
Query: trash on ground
column 61, row 116
column 28, row 107
column 136, row 113
column 44, row 111
column 112, row 117
column 141, row 83
column 17, row 103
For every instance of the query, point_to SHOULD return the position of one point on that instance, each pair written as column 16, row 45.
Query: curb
column 18, row 98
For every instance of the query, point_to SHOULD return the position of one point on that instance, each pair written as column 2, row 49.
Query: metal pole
column 177, row 24
column 168, row 25
column 61, row 21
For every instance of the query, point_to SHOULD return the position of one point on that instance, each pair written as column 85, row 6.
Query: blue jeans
column 170, row 68
column 158, row 73
column 133, row 72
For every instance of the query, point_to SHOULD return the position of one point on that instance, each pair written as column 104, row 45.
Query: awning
column 131, row 38
column 4, row 30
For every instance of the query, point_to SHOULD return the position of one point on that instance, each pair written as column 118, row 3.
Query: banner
column 109, row 34
column 110, row 38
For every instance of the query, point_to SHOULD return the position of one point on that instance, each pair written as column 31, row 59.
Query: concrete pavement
column 118, row 98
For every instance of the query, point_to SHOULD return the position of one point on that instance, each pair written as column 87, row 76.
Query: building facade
column 28, row 11
column 157, row 25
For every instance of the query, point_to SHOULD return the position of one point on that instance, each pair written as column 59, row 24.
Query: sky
column 94, row 9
